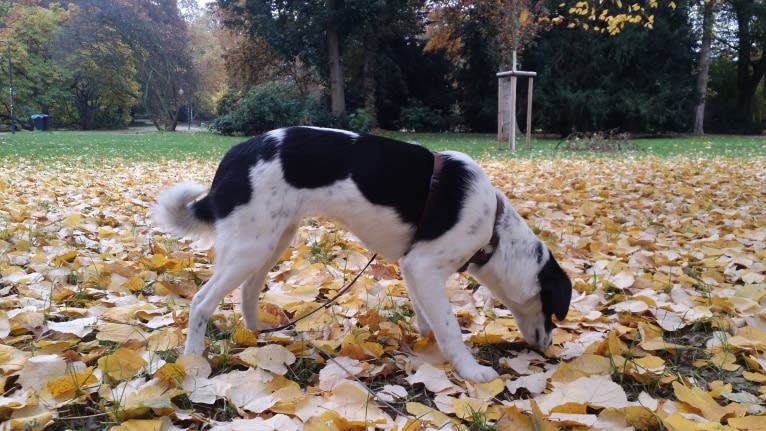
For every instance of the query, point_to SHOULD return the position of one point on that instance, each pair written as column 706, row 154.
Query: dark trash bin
column 41, row 121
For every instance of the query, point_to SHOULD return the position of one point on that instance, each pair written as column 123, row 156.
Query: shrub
column 268, row 107
column 420, row 118
column 360, row 121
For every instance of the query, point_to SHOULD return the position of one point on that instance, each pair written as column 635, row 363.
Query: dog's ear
column 555, row 289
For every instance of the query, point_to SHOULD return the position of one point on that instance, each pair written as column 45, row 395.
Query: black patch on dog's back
column 386, row 171
column 448, row 196
column 393, row 173
column 231, row 185
column 313, row 158
column 203, row 210
column 555, row 291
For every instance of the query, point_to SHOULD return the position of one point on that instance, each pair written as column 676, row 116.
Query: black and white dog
column 436, row 213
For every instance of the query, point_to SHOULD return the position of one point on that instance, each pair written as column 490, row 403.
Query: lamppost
column 10, row 87
column 188, row 108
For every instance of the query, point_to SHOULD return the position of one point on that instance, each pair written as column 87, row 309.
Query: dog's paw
column 194, row 347
column 255, row 326
column 477, row 373
column 422, row 327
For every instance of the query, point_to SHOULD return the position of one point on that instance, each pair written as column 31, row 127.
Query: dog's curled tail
column 179, row 213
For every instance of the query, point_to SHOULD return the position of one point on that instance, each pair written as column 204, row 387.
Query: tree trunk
column 370, row 102
column 337, row 94
column 749, row 72
column 744, row 102
column 86, row 109
column 509, row 122
column 704, row 67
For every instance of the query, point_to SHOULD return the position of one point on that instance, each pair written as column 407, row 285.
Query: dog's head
column 523, row 274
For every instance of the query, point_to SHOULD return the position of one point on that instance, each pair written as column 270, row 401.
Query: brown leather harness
column 485, row 253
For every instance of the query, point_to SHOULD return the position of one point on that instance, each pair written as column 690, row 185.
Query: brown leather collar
column 429, row 204
column 485, row 253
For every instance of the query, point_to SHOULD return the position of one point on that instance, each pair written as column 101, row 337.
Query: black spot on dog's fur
column 387, row 172
column 231, row 185
column 539, row 253
column 203, row 210
column 393, row 173
column 313, row 158
column 555, row 293
column 448, row 196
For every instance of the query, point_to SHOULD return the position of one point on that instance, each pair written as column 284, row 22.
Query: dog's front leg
column 427, row 289
column 421, row 323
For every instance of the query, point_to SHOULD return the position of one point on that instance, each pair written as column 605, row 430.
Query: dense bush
column 639, row 80
column 268, row 107
column 721, row 114
column 417, row 117
column 359, row 121
column 404, row 72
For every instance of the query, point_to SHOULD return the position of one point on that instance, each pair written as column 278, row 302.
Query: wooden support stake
column 500, row 112
column 528, row 143
column 506, row 111
column 512, row 123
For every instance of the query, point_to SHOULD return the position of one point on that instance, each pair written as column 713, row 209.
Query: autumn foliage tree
column 332, row 36
column 155, row 30
column 608, row 16
column 38, row 80
column 638, row 80
column 100, row 70
column 92, row 63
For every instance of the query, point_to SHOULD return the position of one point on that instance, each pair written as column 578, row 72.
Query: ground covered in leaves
column 667, row 328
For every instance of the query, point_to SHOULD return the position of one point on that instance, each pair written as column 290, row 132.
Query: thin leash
column 326, row 304
column 330, row 358
column 481, row 257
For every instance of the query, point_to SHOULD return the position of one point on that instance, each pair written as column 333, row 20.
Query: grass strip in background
column 150, row 146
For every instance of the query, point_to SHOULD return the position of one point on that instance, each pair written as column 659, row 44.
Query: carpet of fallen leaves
column 667, row 328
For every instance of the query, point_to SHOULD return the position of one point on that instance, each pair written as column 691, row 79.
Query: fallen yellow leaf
column 122, row 364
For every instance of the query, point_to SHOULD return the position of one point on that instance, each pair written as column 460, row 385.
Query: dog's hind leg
column 251, row 289
column 421, row 323
column 427, row 288
column 225, row 279
column 239, row 250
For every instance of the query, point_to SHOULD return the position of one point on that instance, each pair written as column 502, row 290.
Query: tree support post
column 512, row 75
column 500, row 112
column 530, row 88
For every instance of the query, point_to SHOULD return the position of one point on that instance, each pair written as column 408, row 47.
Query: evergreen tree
column 638, row 80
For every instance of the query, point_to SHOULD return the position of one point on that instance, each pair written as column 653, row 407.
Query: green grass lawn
column 147, row 145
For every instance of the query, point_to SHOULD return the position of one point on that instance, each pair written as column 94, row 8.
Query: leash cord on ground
column 326, row 303
column 375, row 396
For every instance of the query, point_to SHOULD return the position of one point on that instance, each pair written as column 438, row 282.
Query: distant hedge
column 268, row 107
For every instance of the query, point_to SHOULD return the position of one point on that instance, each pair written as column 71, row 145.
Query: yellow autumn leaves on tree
column 609, row 16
